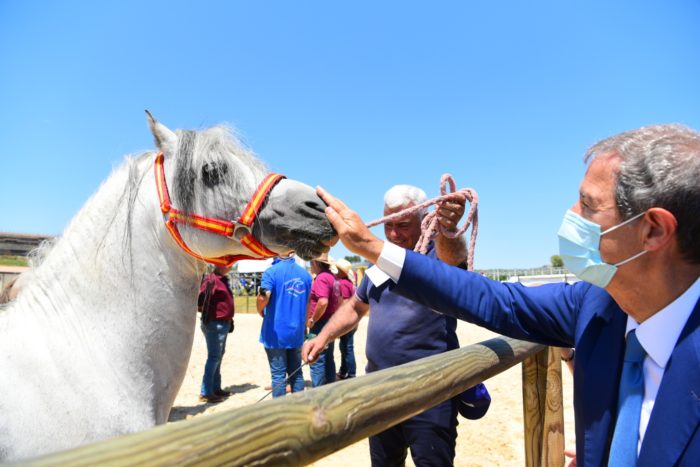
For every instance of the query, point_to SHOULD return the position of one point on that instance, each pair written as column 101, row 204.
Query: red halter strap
column 223, row 227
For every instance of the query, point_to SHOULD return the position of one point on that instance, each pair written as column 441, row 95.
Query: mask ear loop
column 614, row 227
column 633, row 257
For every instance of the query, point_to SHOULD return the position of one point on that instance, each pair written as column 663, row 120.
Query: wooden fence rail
column 304, row 427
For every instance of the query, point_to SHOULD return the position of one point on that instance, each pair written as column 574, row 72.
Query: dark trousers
column 348, row 367
column 431, row 444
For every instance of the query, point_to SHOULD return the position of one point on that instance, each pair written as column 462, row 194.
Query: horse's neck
column 115, row 284
column 115, row 248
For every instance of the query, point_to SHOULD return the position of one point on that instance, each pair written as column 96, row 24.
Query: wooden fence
column 304, row 427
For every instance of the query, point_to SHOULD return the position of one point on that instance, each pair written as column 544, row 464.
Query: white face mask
column 579, row 248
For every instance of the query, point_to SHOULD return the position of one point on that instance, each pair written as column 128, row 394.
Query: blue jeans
column 284, row 362
column 347, row 355
column 215, row 332
column 323, row 369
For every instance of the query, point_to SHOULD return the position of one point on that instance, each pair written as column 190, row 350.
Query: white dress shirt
column 389, row 265
column 658, row 336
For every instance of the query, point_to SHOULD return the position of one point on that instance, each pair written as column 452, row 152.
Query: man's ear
column 166, row 140
column 660, row 229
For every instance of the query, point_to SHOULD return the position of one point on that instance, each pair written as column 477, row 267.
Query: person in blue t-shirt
column 284, row 294
column 401, row 331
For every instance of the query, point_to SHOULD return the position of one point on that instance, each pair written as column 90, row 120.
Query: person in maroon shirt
column 216, row 306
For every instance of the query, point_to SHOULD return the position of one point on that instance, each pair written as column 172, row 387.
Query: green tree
column 353, row 259
column 556, row 261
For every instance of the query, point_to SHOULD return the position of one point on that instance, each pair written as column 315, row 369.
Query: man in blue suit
column 633, row 237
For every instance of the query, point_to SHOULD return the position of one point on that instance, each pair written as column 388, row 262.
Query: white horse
column 98, row 340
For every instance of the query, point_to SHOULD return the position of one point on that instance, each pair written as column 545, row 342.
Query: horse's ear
column 166, row 139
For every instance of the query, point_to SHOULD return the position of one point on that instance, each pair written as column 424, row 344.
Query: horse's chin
column 307, row 245
column 308, row 251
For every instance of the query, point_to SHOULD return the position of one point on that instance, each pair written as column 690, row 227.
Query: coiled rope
column 430, row 227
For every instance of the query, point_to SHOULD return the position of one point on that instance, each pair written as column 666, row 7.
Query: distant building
column 17, row 244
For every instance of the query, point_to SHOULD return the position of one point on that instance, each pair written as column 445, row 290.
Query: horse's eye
column 212, row 172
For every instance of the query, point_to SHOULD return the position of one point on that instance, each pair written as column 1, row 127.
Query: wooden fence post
column 543, row 411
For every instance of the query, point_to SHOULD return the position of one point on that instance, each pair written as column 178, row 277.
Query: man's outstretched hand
column 312, row 349
column 352, row 231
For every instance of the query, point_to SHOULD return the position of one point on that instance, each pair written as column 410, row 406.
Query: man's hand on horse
column 350, row 228
column 450, row 212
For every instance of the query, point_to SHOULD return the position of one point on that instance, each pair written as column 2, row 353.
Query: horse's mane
column 36, row 256
column 136, row 171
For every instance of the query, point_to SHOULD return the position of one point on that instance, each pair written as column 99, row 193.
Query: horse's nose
column 316, row 205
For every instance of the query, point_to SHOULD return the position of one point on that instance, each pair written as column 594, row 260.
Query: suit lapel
column 599, row 355
column 676, row 412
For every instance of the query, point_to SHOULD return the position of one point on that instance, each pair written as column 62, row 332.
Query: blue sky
column 355, row 96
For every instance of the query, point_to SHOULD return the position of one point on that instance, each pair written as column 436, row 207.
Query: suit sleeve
column 546, row 314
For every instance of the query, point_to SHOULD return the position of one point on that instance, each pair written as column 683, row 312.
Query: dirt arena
column 495, row 440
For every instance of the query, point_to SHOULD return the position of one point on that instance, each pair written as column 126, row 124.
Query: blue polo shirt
column 284, row 323
column 401, row 331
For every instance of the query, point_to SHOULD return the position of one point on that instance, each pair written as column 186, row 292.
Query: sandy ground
column 496, row 439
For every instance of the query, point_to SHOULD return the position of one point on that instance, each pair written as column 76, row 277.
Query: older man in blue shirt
column 401, row 331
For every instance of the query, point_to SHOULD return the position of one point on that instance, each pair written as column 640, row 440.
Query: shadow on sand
column 182, row 412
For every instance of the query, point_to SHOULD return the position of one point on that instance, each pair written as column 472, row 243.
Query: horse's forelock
column 237, row 166
column 185, row 174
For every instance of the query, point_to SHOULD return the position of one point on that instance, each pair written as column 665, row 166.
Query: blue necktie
column 623, row 451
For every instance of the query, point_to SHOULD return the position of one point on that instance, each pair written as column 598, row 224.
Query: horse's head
column 210, row 174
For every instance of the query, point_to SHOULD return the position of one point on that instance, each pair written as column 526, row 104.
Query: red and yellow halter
column 223, row 227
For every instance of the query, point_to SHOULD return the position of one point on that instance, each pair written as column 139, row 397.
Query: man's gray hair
column 401, row 195
column 660, row 167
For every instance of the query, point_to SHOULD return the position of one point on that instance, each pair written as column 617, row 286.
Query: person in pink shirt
column 325, row 299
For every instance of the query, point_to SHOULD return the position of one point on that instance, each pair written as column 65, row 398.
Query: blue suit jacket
column 586, row 317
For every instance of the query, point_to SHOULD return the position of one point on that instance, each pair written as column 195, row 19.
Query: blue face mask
column 579, row 248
